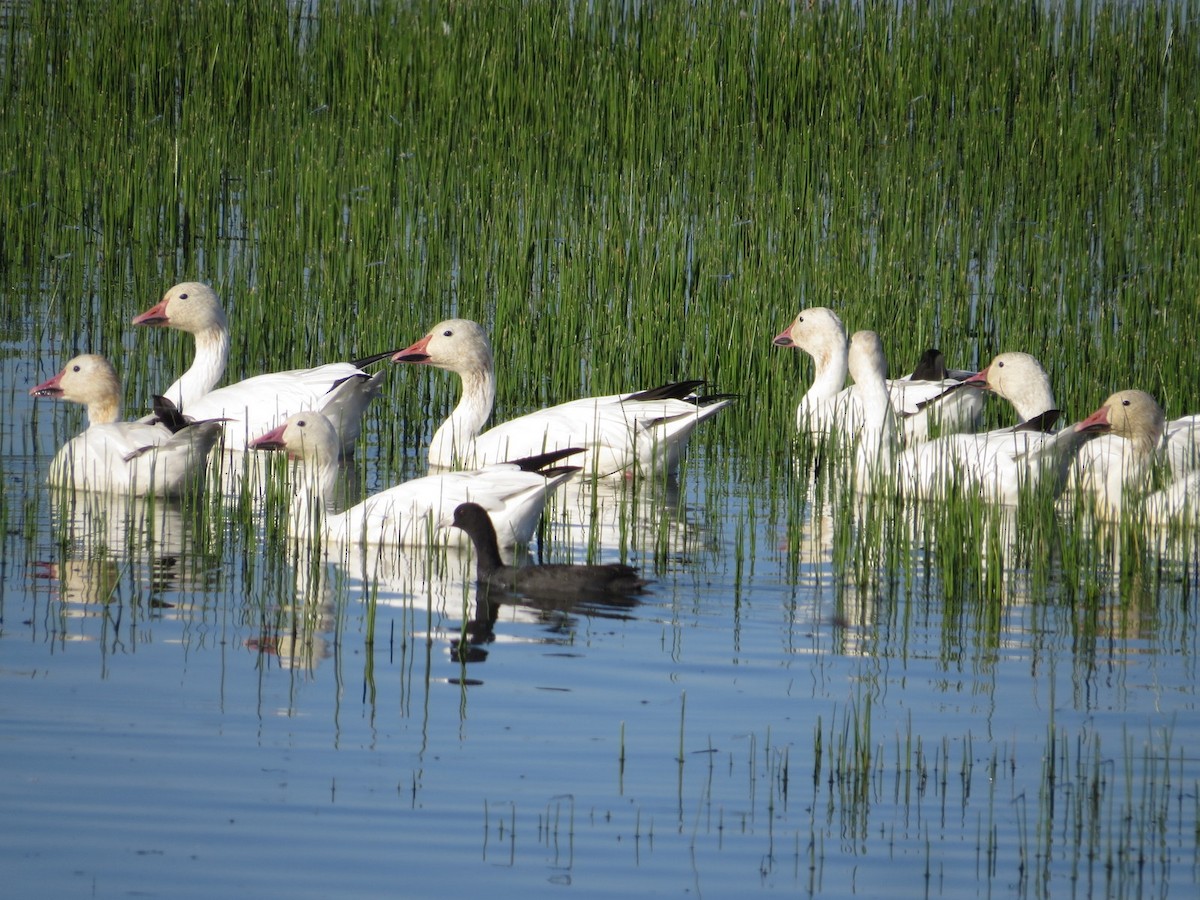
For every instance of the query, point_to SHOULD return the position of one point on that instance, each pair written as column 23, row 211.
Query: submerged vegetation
column 627, row 194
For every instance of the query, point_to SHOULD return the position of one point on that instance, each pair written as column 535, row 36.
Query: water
column 190, row 710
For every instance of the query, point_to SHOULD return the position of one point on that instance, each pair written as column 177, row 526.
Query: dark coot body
column 561, row 581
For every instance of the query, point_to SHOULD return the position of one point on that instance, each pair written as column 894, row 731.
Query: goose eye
column 1124, row 402
column 1000, row 365
column 449, row 332
column 75, row 368
column 799, row 318
column 301, row 424
column 183, row 296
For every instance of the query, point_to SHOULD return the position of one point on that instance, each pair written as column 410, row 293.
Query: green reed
column 614, row 216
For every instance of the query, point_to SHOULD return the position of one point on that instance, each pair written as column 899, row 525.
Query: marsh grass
column 1104, row 818
column 563, row 178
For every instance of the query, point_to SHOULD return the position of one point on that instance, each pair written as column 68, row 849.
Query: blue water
column 188, row 711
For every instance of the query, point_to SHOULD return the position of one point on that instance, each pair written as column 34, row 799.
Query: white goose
column 1131, row 426
column 341, row 391
column 122, row 458
column 1020, row 379
column 997, row 466
column 1178, row 448
column 924, row 407
column 417, row 512
column 647, row 430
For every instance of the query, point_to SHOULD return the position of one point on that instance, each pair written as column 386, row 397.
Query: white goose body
column 415, row 513
column 1002, row 463
column 1181, row 443
column 1114, row 462
column 877, row 435
column 123, row 458
column 923, row 407
column 997, row 466
column 647, row 430
column 341, row 390
column 1177, row 502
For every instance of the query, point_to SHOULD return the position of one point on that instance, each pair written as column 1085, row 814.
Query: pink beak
column 272, row 440
column 417, row 353
column 49, row 388
column 155, row 315
column 1097, row 421
column 979, row 379
column 784, row 338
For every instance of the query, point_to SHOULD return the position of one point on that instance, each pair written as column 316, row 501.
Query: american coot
column 341, row 390
column 647, row 430
column 927, row 407
column 125, row 458
column 411, row 513
column 553, row 582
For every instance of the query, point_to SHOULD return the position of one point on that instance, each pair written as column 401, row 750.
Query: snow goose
column 122, row 458
column 925, row 408
column 996, row 466
column 646, row 430
column 1134, row 437
column 541, row 581
column 411, row 513
column 1133, row 423
column 341, row 391
column 1179, row 448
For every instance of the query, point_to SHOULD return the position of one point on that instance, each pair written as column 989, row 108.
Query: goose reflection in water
column 650, row 517
column 159, row 540
column 296, row 619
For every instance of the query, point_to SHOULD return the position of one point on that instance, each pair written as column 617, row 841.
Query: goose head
column 818, row 332
column 458, row 345
column 189, row 306
column 1133, row 415
column 89, row 380
column 307, row 435
column 868, row 363
column 1020, row 379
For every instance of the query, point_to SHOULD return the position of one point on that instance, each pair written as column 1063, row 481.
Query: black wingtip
column 535, row 463
column 1042, row 422
column 950, row 389
column 166, row 412
column 559, row 470
column 676, row 390
column 710, row 399
column 374, row 358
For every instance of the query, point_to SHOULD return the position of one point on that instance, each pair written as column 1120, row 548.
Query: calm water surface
column 191, row 710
